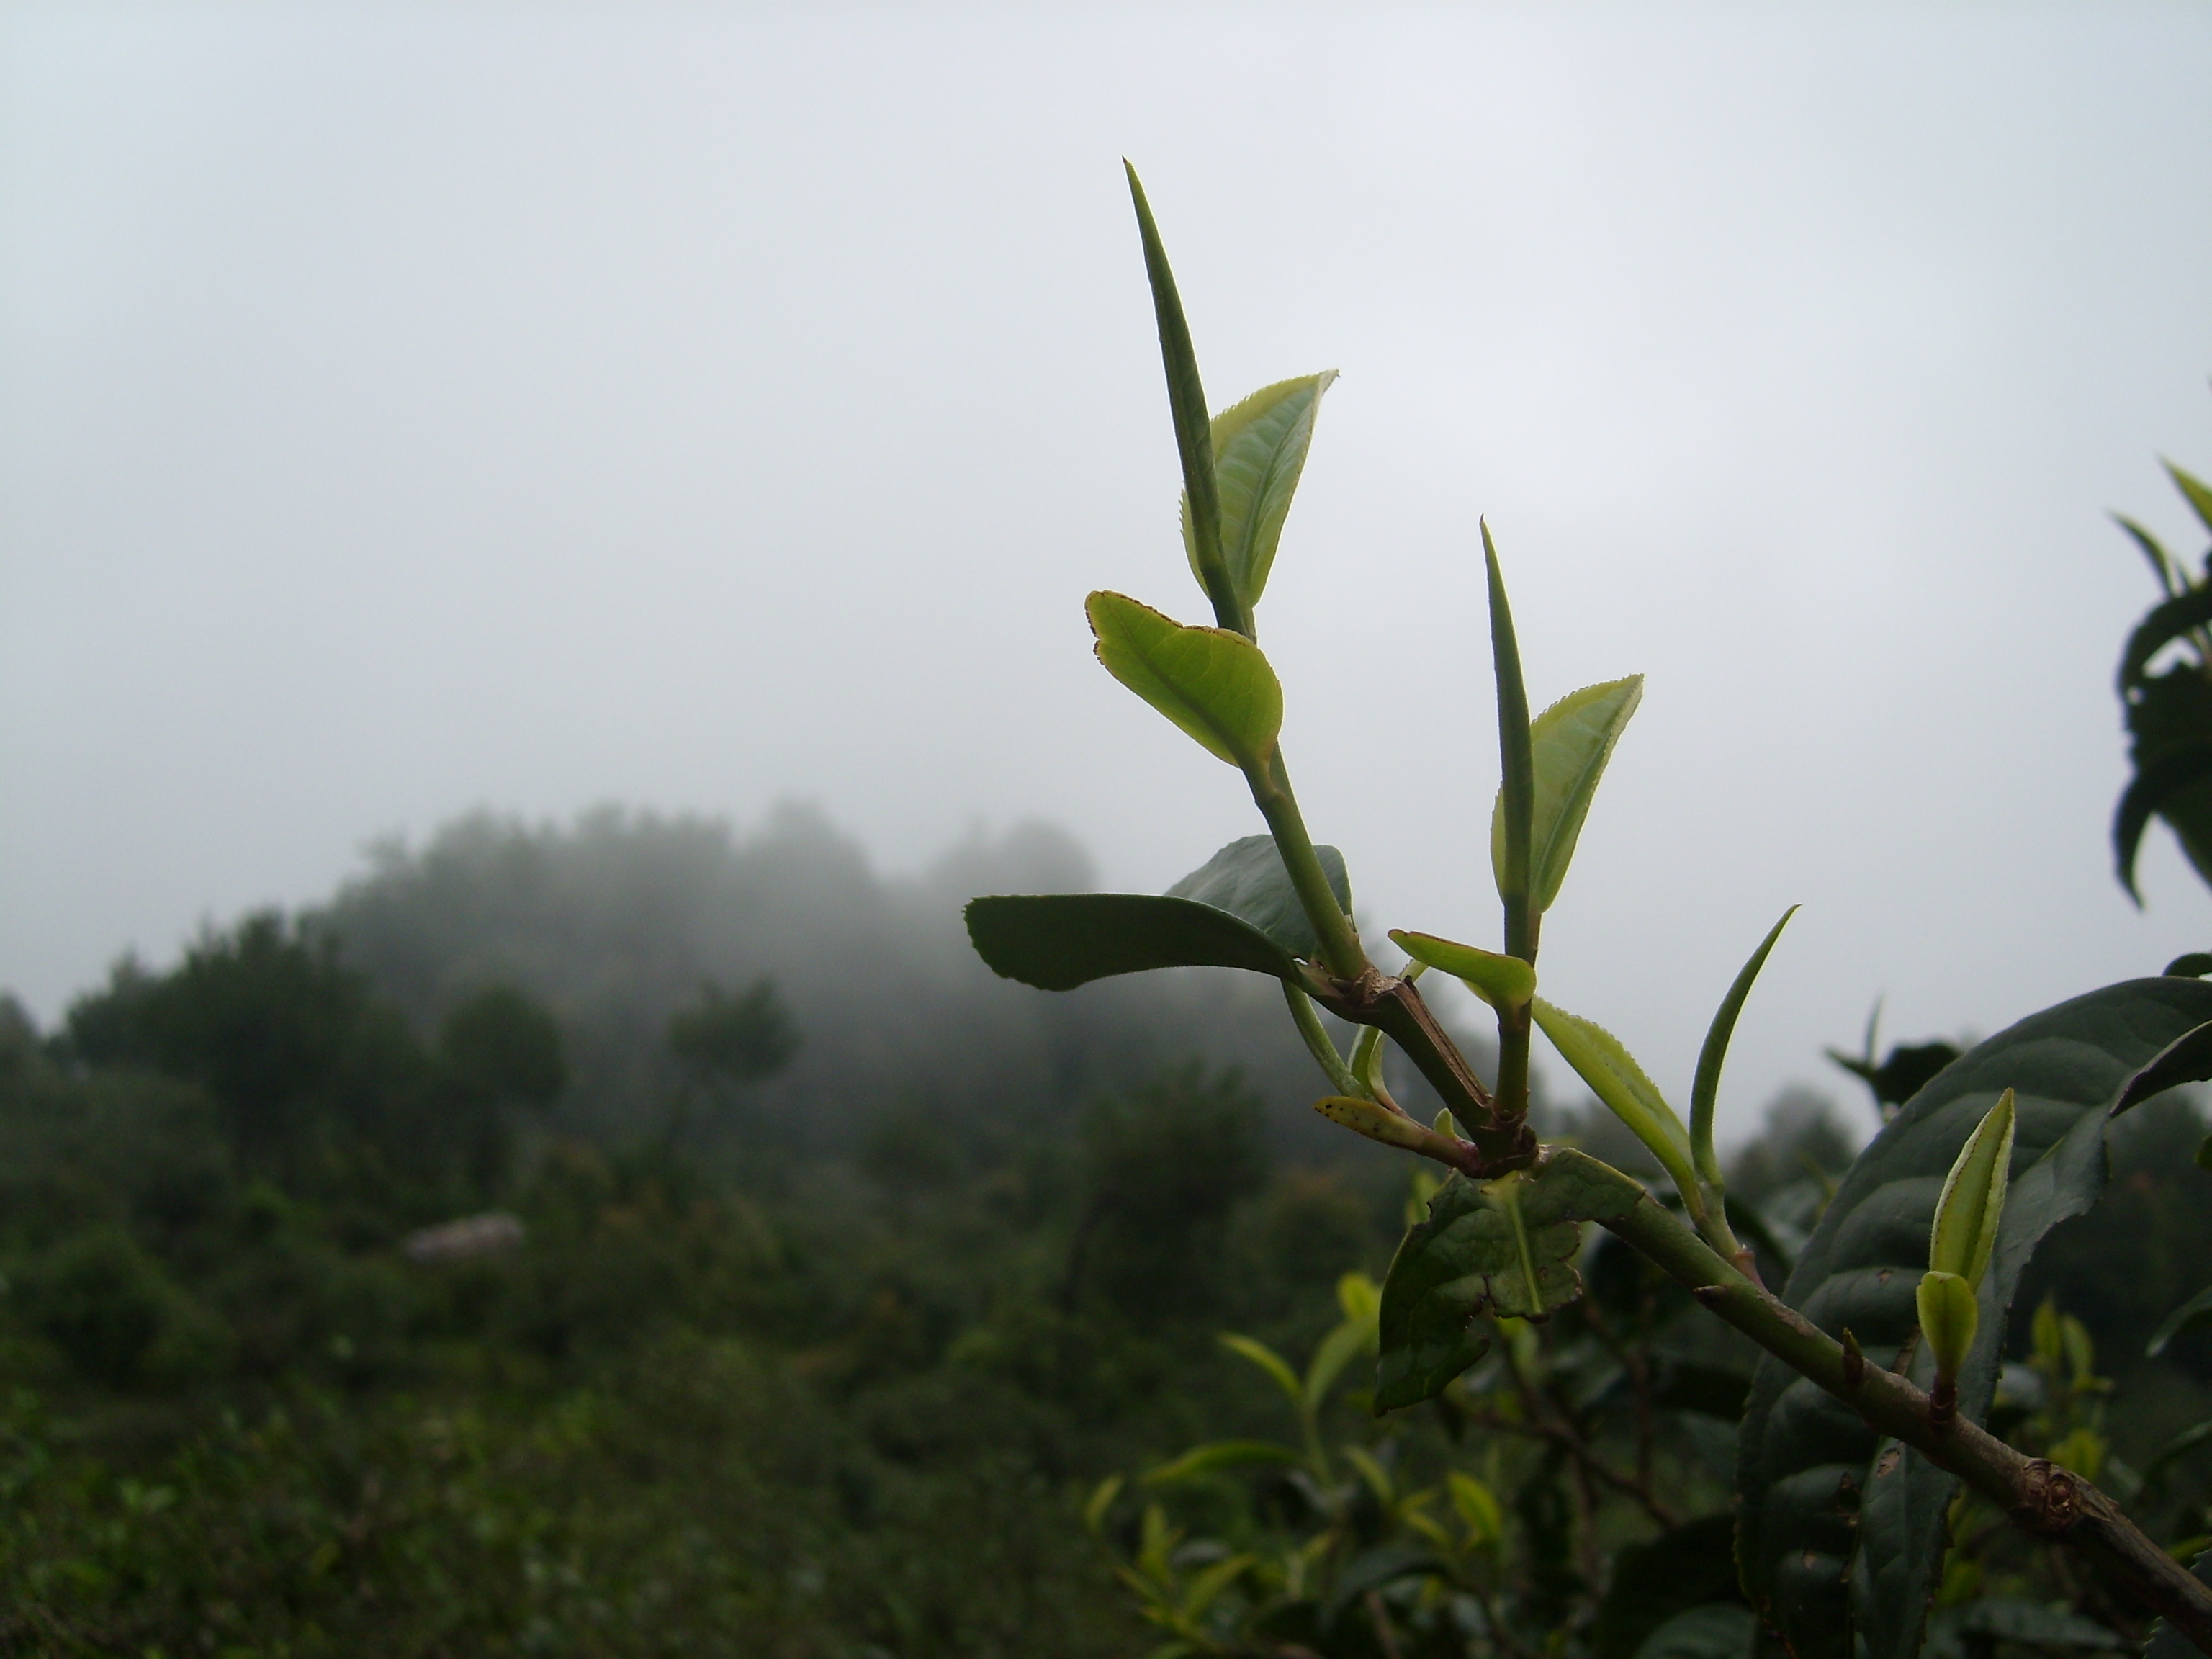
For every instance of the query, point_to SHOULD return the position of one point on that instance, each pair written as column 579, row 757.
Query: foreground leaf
column 1211, row 682
column 1246, row 879
column 1259, row 450
column 1499, row 981
column 1808, row 1466
column 1057, row 941
column 1498, row 1248
column 1603, row 1061
column 1569, row 743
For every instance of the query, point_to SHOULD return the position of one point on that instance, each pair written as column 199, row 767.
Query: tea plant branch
column 2040, row 1498
column 1270, row 783
column 1393, row 1006
column 1239, row 469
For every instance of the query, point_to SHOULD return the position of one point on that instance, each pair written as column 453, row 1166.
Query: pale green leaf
column 1571, row 743
column 1359, row 1296
column 1331, row 1355
column 1102, row 1499
column 1211, row 682
column 1477, row 1507
column 1601, row 1062
column 1259, row 450
column 1971, row 1205
column 1502, row 981
column 1220, row 1455
column 1949, row 1318
column 1268, row 1361
column 1206, row 1586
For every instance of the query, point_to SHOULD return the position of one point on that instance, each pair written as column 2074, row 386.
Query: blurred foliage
column 837, row 1371
column 2169, row 712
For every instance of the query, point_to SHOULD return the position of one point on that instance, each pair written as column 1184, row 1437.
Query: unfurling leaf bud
column 1948, row 1316
column 1960, row 1245
column 1973, row 1203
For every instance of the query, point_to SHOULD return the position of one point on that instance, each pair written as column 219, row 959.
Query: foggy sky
column 410, row 409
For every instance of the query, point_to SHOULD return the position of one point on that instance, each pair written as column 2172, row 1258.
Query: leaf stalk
column 1341, row 952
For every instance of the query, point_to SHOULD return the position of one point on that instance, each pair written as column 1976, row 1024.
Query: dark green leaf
column 1719, row 1629
column 2167, row 623
column 1246, row 879
column 1194, row 432
column 1057, row 941
column 1504, row 1247
column 2193, row 965
column 1259, row 451
column 2169, row 717
column 2149, row 792
column 1692, row 1566
column 1804, row 1460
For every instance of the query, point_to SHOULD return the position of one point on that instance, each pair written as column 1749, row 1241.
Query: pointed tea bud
column 1972, row 1204
column 1960, row 1246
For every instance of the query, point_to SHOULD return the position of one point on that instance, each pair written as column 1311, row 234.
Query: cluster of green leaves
column 1569, row 1491
column 1925, row 1243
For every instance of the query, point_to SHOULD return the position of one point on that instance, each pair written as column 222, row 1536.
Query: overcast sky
column 404, row 410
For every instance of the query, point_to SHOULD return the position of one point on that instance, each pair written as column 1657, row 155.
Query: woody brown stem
column 2042, row 1499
